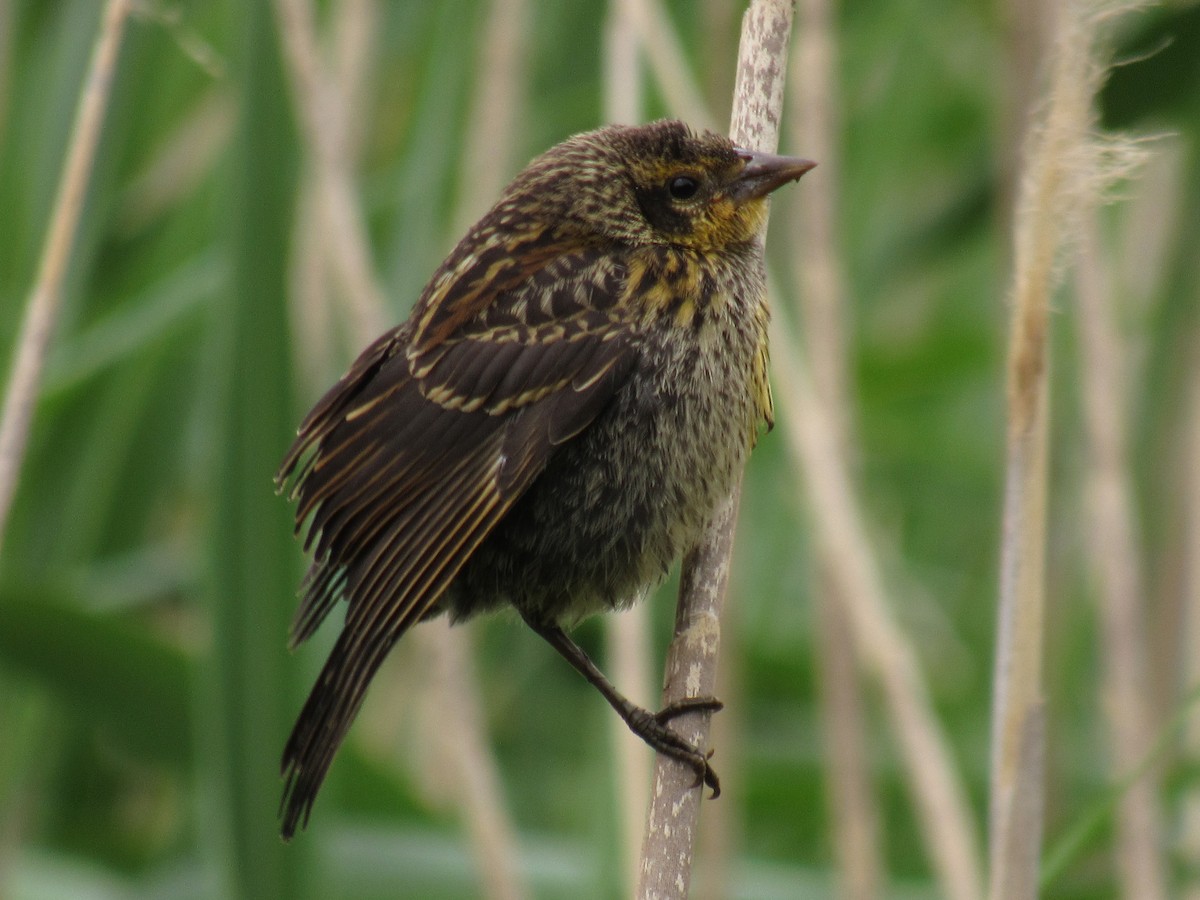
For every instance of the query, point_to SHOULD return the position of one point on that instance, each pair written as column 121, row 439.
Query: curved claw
column 687, row 705
column 707, row 775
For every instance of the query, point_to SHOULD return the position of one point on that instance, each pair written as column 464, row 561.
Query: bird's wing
column 408, row 463
column 483, row 269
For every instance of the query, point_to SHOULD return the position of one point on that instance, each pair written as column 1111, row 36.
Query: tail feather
column 320, row 728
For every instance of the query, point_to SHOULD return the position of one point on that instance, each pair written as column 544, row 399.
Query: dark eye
column 682, row 187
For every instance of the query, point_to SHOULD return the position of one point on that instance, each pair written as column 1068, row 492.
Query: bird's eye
column 682, row 187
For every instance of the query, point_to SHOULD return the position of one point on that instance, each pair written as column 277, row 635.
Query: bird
column 575, row 390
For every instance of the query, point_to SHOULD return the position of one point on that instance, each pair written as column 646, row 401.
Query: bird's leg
column 650, row 727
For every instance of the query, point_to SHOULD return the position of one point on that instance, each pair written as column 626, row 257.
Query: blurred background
column 274, row 183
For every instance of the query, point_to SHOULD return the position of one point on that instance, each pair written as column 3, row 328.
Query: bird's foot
column 653, row 729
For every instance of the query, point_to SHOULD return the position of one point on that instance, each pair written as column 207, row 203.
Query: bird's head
column 654, row 184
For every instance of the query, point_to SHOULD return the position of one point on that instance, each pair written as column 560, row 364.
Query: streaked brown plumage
column 552, row 427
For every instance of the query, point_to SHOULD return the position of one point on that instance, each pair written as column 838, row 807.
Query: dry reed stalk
column 630, row 652
column 718, row 36
column 496, row 111
column 821, row 285
column 45, row 299
column 180, row 162
column 457, row 726
column 318, row 355
column 665, row 867
column 664, row 53
column 1145, row 239
column 943, row 814
column 320, row 111
column 320, row 100
column 651, row 28
column 1189, row 823
column 1065, row 168
column 352, row 41
column 628, row 631
column 851, row 805
column 1027, row 25
column 1117, row 567
column 720, row 837
column 316, row 311
column 671, row 821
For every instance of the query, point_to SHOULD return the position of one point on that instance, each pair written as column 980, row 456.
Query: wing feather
column 411, row 460
column 361, row 649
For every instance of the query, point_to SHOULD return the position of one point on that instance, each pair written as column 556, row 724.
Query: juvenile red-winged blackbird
column 574, row 392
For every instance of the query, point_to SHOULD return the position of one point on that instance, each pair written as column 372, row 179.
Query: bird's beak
column 764, row 173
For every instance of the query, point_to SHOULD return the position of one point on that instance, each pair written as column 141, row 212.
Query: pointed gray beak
column 764, row 173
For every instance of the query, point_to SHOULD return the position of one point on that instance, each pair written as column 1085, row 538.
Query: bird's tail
column 323, row 723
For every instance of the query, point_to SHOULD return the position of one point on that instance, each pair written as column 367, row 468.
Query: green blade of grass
column 250, row 698
column 144, row 320
column 106, row 671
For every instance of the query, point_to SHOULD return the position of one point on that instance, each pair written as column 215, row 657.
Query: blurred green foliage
column 148, row 571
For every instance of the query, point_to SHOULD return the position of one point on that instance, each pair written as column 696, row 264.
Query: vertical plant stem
column 691, row 670
column 1018, row 712
column 1027, row 26
column 821, row 286
column 1063, row 172
column 692, row 657
column 1189, row 824
column 319, row 298
column 320, row 114
column 628, row 631
column 459, row 730
column 251, row 688
column 941, row 804
column 354, row 50
column 665, row 56
column 45, row 299
column 497, row 108
column 1117, row 566
column 630, row 653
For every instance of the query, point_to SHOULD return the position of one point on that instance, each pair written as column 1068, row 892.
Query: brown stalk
column 320, row 111
column 664, row 54
column 180, row 162
column 942, row 811
column 1065, row 168
column 496, row 110
column 1117, row 567
column 664, row 871
column 627, row 631
column 667, row 851
column 457, row 725
column 821, row 286
column 1189, row 822
column 316, row 312
column 45, row 299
